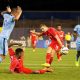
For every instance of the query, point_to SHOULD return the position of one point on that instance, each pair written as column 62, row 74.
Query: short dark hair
column 59, row 25
column 18, row 52
column 42, row 25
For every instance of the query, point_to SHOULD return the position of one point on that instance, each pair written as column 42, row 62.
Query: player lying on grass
column 16, row 65
column 55, row 44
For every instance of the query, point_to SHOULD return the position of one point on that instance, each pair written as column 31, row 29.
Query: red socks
column 48, row 57
column 51, row 60
column 42, row 71
column 58, row 55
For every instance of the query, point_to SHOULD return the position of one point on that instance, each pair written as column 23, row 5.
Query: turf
column 64, row 70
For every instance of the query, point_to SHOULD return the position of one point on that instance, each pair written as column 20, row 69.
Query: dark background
column 49, row 12
column 42, row 5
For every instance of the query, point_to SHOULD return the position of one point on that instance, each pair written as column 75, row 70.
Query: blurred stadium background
column 37, row 12
column 33, row 19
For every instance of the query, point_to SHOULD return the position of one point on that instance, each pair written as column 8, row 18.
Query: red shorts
column 55, row 46
column 34, row 42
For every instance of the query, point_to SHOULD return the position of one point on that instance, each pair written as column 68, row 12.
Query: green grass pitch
column 63, row 70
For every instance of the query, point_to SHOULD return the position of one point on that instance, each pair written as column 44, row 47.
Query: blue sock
column 0, row 59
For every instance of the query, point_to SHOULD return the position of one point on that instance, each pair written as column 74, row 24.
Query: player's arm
column 11, row 44
column 8, row 9
column 11, row 51
column 54, row 33
column 13, row 66
column 58, row 40
column 37, row 33
column 18, row 13
column 3, row 12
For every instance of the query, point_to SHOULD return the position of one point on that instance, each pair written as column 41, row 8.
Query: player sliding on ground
column 8, row 24
column 16, row 65
column 54, row 46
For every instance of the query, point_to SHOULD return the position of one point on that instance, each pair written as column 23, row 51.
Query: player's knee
column 49, row 50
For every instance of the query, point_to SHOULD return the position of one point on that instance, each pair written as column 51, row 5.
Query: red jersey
column 33, row 37
column 61, row 35
column 15, row 63
column 51, row 33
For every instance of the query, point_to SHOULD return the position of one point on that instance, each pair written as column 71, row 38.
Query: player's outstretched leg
column 48, row 58
column 42, row 71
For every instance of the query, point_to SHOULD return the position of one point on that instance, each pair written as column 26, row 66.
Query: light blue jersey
column 77, row 29
column 8, row 25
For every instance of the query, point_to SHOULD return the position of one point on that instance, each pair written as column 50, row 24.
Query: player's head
column 33, row 30
column 43, row 27
column 59, row 27
column 19, row 52
column 68, row 33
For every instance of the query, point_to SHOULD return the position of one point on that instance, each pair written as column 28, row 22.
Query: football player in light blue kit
column 8, row 24
column 77, row 33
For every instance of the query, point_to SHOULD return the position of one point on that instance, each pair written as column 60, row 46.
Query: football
column 64, row 50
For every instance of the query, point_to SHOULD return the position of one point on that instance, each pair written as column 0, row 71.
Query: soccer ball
column 64, row 50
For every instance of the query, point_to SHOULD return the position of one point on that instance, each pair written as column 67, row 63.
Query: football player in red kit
column 62, row 36
column 55, row 44
column 16, row 65
column 34, row 39
column 61, row 33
